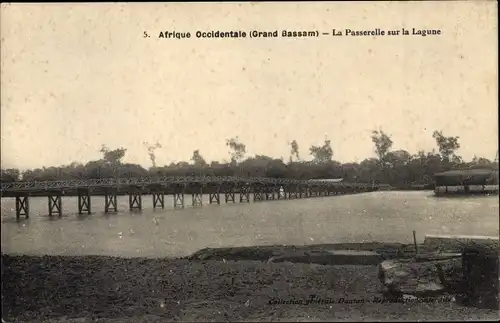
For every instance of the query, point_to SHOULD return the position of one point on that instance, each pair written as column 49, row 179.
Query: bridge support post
column 55, row 204
column 110, row 204
column 302, row 192
column 158, row 200
column 258, row 194
column 22, row 206
column 84, row 201
column 296, row 192
column 269, row 192
column 179, row 196
column 229, row 194
column 214, row 197
column 293, row 192
column 273, row 192
column 135, row 199
column 196, row 195
column 179, row 200
column 245, row 193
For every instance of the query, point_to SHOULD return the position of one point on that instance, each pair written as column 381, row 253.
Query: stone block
column 421, row 278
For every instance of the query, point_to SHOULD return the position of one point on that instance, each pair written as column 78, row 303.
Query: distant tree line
column 397, row 168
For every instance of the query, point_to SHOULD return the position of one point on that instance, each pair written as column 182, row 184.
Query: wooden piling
column 258, row 194
column 158, row 200
column 269, row 192
column 229, row 194
column 244, row 193
column 179, row 196
column 110, row 201
column 135, row 201
column 84, row 201
column 22, row 206
column 415, row 242
column 214, row 198
column 179, row 200
column 55, row 205
column 197, row 196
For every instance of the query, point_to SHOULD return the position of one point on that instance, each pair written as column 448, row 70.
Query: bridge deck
column 37, row 186
column 261, row 189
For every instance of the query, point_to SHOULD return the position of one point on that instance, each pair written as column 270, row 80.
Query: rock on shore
column 423, row 279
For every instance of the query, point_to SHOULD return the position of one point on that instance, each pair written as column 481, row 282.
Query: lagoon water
column 376, row 216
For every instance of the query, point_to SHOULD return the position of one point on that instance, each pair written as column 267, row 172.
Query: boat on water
column 466, row 182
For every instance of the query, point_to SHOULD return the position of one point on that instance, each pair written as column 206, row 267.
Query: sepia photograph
column 249, row 161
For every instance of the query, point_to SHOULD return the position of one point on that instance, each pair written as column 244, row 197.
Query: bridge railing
column 144, row 181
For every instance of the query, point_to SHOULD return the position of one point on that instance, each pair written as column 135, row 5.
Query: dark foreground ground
column 107, row 289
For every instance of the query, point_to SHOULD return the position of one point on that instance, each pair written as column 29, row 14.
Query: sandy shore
column 107, row 289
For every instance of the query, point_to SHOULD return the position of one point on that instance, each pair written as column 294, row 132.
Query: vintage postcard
column 249, row 161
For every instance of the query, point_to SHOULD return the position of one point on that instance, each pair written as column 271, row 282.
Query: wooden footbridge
column 260, row 189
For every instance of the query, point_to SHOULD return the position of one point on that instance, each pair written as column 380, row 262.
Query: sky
column 77, row 76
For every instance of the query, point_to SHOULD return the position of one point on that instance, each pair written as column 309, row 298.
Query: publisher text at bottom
column 314, row 300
